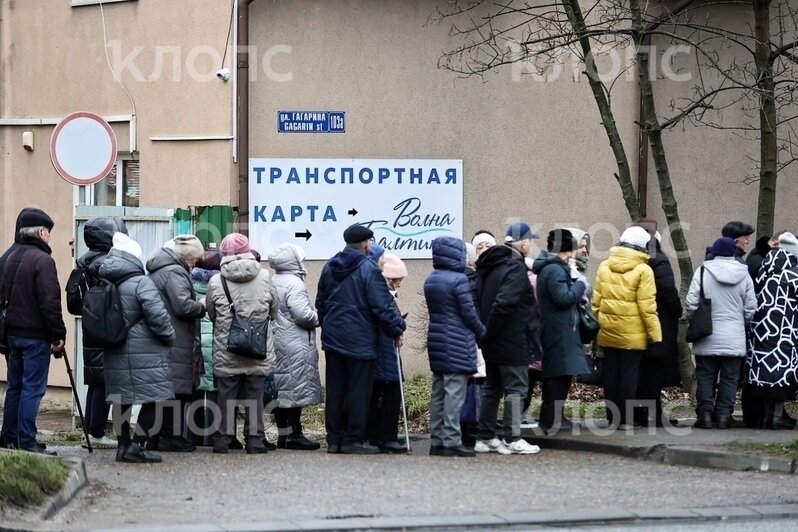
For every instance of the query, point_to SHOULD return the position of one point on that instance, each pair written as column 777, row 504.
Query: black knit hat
column 34, row 218
column 735, row 230
column 211, row 260
column 560, row 240
column 357, row 233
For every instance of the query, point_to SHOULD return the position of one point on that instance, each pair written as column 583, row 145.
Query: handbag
column 700, row 323
column 588, row 324
column 595, row 366
column 246, row 338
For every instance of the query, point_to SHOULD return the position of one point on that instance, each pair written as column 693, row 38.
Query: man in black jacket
column 34, row 325
column 508, row 308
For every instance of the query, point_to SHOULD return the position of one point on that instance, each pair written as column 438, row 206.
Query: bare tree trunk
column 624, row 176
column 768, row 146
column 669, row 205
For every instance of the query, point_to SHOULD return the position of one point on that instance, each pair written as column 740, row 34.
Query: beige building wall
column 52, row 62
column 531, row 150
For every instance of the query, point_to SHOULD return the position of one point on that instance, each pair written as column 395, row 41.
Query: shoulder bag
column 588, row 324
column 700, row 324
column 247, row 338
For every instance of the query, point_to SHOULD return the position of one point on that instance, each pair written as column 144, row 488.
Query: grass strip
column 27, row 479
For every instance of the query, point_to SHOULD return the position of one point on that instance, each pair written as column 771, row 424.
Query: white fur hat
column 789, row 243
column 483, row 238
column 636, row 236
column 124, row 243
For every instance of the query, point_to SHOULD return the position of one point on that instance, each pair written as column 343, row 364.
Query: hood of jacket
column 98, row 233
column 623, row 259
column 449, row 253
column 284, row 259
column 726, row 270
column 495, row 256
column 545, row 259
column 240, row 268
column 345, row 262
column 120, row 264
column 163, row 258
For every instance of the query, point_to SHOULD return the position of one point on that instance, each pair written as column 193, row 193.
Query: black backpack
column 103, row 321
column 77, row 287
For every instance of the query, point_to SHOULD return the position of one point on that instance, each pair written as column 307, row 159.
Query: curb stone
column 76, row 481
column 644, row 452
column 541, row 519
column 718, row 459
column 709, row 458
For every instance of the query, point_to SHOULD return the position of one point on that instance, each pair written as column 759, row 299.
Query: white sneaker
column 488, row 446
column 103, row 443
column 529, row 424
column 518, row 447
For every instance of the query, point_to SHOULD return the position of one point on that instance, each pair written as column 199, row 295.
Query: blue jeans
column 28, row 366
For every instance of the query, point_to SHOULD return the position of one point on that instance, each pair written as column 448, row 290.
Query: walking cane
column 402, row 394
column 77, row 398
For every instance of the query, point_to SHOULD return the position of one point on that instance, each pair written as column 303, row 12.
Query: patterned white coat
column 773, row 348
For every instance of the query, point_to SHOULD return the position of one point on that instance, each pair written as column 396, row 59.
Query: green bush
column 27, row 479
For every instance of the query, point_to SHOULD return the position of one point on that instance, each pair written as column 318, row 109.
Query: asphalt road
column 204, row 488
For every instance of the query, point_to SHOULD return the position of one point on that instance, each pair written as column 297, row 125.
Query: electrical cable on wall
column 229, row 30
column 108, row 60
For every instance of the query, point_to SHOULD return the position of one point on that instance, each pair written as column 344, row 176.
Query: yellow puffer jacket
column 624, row 301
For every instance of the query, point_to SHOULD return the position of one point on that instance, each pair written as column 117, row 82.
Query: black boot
column 297, row 440
column 134, row 453
column 300, row 443
column 704, row 420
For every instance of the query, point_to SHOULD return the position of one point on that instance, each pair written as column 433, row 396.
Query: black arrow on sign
column 351, row 212
column 306, row 235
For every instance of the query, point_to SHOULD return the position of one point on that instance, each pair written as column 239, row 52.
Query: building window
column 116, row 191
column 78, row 3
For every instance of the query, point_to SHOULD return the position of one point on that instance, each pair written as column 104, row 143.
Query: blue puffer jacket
column 353, row 304
column 453, row 319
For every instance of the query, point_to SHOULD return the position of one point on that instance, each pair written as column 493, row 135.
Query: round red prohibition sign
column 83, row 148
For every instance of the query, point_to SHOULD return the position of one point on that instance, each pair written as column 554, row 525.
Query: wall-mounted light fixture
column 27, row 140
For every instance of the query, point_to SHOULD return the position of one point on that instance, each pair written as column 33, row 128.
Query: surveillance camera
column 223, row 74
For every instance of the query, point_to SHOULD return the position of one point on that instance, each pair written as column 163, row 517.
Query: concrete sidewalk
column 678, row 445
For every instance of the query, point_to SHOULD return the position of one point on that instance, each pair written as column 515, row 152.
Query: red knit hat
column 234, row 244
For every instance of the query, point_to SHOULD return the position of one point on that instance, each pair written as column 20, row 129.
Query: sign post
column 83, row 148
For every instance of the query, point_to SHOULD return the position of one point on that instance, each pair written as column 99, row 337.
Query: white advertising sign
column 406, row 202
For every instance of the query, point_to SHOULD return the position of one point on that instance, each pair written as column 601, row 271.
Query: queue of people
column 501, row 319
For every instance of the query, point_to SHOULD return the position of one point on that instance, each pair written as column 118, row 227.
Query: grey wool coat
column 254, row 299
column 297, row 373
column 137, row 371
column 170, row 274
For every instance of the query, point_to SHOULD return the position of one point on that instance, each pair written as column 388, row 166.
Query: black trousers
column 289, row 421
column 555, row 391
column 386, row 402
column 621, row 369
column 96, row 411
column 534, row 377
column 174, row 416
column 144, row 425
column 349, row 384
column 649, row 390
